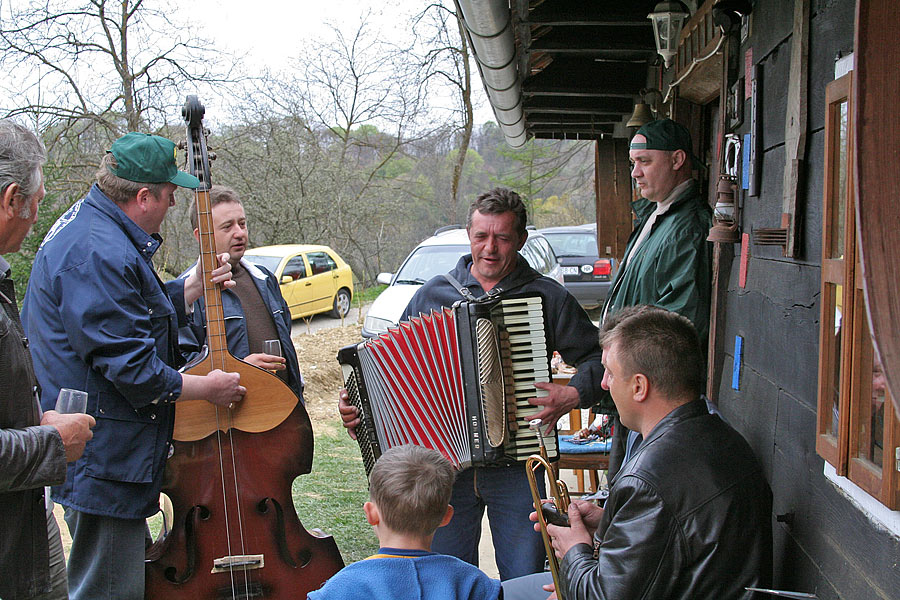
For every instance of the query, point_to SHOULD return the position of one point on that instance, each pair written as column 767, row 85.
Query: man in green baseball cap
column 145, row 158
column 100, row 320
column 668, row 262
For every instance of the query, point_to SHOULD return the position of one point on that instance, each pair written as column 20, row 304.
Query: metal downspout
column 489, row 27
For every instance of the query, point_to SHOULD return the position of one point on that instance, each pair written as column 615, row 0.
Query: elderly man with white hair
column 34, row 447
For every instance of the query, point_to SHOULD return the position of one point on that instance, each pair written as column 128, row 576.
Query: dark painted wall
column 823, row 544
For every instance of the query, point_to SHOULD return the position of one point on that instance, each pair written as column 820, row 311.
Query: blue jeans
column 106, row 561
column 518, row 548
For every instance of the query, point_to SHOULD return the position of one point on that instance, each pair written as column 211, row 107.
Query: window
column 857, row 428
column 320, row 262
column 295, row 268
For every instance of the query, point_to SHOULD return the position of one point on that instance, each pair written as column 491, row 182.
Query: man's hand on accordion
column 561, row 400
column 349, row 413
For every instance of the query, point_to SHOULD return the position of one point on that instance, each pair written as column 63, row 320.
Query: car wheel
column 341, row 304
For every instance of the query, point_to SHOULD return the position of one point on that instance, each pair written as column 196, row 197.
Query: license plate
column 570, row 270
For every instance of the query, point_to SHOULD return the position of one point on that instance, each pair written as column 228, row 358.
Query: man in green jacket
column 667, row 261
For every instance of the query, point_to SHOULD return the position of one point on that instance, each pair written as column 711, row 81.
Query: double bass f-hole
column 235, row 533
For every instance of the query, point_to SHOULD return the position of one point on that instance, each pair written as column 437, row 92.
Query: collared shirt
column 661, row 209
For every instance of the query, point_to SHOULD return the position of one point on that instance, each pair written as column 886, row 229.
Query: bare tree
column 447, row 66
column 117, row 65
column 320, row 152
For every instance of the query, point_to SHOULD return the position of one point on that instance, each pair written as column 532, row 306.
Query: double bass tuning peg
column 211, row 156
column 182, row 145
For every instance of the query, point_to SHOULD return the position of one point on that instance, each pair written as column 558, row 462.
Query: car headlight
column 376, row 325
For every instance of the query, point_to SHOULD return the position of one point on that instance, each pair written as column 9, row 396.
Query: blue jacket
column 193, row 335
column 100, row 320
column 569, row 330
column 413, row 574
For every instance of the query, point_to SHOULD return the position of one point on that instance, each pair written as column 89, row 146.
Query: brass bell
column 641, row 115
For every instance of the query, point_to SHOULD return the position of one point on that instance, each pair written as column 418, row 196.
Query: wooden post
column 613, row 189
column 795, row 124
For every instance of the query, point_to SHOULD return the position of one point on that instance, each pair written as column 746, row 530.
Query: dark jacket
column 688, row 517
column 100, row 320
column 193, row 335
column 31, row 456
column 570, row 332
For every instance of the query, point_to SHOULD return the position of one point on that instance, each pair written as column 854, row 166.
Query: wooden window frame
column 839, row 448
column 834, row 272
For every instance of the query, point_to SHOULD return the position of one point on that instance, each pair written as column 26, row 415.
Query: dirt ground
column 317, row 355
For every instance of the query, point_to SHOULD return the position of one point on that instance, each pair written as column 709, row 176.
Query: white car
column 438, row 255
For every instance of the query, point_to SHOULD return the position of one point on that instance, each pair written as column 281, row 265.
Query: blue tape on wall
column 736, row 371
column 745, row 170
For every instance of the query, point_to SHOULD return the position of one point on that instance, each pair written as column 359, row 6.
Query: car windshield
column 269, row 262
column 573, row 243
column 428, row 261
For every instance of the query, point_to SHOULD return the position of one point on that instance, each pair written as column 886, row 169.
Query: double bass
column 235, row 533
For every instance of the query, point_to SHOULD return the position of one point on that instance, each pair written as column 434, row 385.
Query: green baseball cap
column 145, row 158
column 664, row 134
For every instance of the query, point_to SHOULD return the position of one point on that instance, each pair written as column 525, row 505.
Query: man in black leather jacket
column 688, row 515
column 34, row 448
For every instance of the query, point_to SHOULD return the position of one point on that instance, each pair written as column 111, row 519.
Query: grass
column 365, row 295
column 331, row 497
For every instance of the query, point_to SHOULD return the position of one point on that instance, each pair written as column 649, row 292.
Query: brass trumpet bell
column 559, row 496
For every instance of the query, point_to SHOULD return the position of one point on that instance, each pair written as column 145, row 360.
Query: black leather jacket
column 31, row 456
column 689, row 516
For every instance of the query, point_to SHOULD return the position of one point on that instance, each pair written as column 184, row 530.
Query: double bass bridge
column 238, row 562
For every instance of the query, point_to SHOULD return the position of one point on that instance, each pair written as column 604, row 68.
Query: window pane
column 871, row 412
column 295, row 268
column 834, row 357
column 840, row 200
column 320, row 262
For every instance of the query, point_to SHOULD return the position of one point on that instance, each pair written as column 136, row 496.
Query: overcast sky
column 272, row 32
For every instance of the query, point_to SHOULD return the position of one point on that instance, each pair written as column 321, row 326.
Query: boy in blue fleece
column 409, row 498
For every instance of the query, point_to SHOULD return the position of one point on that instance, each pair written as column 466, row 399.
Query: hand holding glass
column 71, row 401
column 272, row 347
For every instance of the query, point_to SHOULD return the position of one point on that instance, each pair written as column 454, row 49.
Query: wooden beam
column 631, row 13
column 613, row 105
column 795, row 123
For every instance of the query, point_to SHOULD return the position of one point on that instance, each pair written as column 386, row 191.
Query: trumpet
column 556, row 511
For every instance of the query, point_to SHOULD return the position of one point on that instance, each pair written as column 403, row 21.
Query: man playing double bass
column 100, row 320
column 254, row 309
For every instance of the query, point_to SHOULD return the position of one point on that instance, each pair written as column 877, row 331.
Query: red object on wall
column 745, row 258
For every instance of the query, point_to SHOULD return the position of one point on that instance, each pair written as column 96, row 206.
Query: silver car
column 435, row 256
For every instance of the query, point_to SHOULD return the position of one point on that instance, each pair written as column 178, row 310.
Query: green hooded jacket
column 672, row 268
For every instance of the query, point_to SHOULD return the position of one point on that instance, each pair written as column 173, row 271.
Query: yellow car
column 314, row 279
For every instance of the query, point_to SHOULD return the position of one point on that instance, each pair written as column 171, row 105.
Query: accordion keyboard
column 526, row 362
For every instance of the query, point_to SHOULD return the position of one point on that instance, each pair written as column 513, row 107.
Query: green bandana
column 664, row 134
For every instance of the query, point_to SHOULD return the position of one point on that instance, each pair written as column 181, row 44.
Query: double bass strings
column 212, row 294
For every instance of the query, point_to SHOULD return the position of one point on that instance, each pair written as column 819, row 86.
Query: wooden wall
column 613, row 196
column 823, row 543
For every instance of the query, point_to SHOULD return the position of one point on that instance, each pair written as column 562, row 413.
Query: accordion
column 457, row 381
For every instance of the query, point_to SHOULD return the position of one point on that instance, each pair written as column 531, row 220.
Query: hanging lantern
column 727, row 213
column 668, row 19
